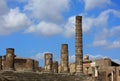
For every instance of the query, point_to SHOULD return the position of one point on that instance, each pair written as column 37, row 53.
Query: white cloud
column 13, row 21
column 100, row 21
column 100, row 43
column 91, row 4
column 69, row 29
column 38, row 56
column 3, row 7
column 102, row 38
column 71, row 58
column 114, row 44
column 114, row 31
column 44, row 29
column 48, row 10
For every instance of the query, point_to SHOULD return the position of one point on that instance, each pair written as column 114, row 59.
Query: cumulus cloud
column 103, row 31
column 91, row 4
column 100, row 43
column 13, row 21
column 38, row 56
column 100, row 21
column 69, row 28
column 3, row 7
column 71, row 58
column 49, row 10
column 114, row 44
column 101, row 39
column 44, row 29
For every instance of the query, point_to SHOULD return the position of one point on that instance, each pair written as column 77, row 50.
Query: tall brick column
column 48, row 62
column 64, row 58
column 79, row 51
column 0, row 62
column 55, row 67
column 9, row 59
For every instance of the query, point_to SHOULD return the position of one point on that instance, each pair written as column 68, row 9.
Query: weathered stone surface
column 31, row 76
column 64, row 58
column 55, row 67
column 48, row 62
column 9, row 59
column 79, row 50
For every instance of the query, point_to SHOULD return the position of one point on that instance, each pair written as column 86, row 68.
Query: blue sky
column 34, row 27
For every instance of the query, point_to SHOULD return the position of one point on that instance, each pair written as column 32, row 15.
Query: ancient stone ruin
column 13, row 68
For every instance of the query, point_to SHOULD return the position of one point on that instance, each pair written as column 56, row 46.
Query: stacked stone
column 86, row 58
column 55, row 67
column 30, row 65
column 36, row 64
column 0, row 62
column 9, row 59
column 64, row 58
column 48, row 62
column 79, row 51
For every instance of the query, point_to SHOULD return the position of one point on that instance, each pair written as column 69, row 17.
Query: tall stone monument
column 79, row 51
column 64, row 58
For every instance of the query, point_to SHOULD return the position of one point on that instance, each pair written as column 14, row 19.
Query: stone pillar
column 9, row 59
column 30, row 65
column 79, row 51
column 0, row 63
column 48, row 62
column 96, row 71
column 55, row 67
column 64, row 58
column 36, row 65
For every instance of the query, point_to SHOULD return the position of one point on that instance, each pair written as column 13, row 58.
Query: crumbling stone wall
column 103, row 63
column 22, row 64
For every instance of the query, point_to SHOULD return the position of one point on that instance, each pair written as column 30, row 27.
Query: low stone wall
column 32, row 76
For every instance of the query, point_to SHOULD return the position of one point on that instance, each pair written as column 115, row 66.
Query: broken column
column 9, row 59
column 64, row 58
column 55, row 67
column 48, row 62
column 0, row 63
column 79, row 51
column 36, row 65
